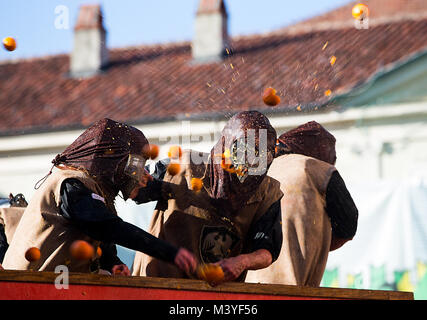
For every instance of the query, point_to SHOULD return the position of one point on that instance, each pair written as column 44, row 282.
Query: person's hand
column 120, row 269
column 232, row 267
column 146, row 177
column 186, row 261
column 142, row 183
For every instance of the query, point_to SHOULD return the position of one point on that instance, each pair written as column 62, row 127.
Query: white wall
column 381, row 142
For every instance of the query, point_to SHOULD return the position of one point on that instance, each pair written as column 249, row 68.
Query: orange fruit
column 328, row 93
column 196, row 184
column 226, row 154
column 9, row 43
column 210, row 273
column 174, row 168
column 81, row 250
column 32, row 254
column 98, row 252
column 175, row 152
column 270, row 97
column 227, row 166
column 154, row 151
column 360, row 11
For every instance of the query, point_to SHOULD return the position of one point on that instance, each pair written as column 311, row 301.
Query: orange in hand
column 174, row 168
column 210, row 273
column 81, row 250
column 33, row 254
column 175, row 152
column 9, row 43
column 270, row 97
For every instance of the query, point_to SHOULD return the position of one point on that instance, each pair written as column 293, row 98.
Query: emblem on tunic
column 216, row 243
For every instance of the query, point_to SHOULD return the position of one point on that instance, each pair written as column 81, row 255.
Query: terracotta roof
column 158, row 83
column 380, row 11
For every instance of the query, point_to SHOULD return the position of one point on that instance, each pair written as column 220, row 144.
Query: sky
column 33, row 23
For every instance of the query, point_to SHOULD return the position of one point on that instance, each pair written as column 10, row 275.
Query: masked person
column 234, row 220
column 318, row 212
column 77, row 203
column 10, row 214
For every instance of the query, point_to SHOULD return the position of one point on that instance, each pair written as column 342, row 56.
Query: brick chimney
column 90, row 52
column 211, row 31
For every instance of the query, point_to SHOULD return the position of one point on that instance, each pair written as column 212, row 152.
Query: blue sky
column 136, row 22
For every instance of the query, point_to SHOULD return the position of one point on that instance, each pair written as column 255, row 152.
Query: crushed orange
column 325, row 45
column 270, row 97
column 333, row 60
column 328, row 93
column 229, row 166
column 210, row 273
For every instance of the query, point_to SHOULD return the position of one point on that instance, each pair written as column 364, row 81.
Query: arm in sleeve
column 109, row 256
column 340, row 208
column 153, row 190
column 92, row 217
column 267, row 231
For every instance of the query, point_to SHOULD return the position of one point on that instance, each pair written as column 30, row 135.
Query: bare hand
column 232, row 267
column 186, row 261
column 142, row 183
column 145, row 179
column 120, row 269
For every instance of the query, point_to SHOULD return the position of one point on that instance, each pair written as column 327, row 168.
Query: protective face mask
column 245, row 158
column 135, row 170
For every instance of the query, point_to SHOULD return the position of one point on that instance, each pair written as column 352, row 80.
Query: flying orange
column 175, row 152
column 33, row 254
column 98, row 252
column 154, row 151
column 81, row 250
column 196, row 184
column 9, row 43
column 174, row 168
column 360, row 11
column 270, row 97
